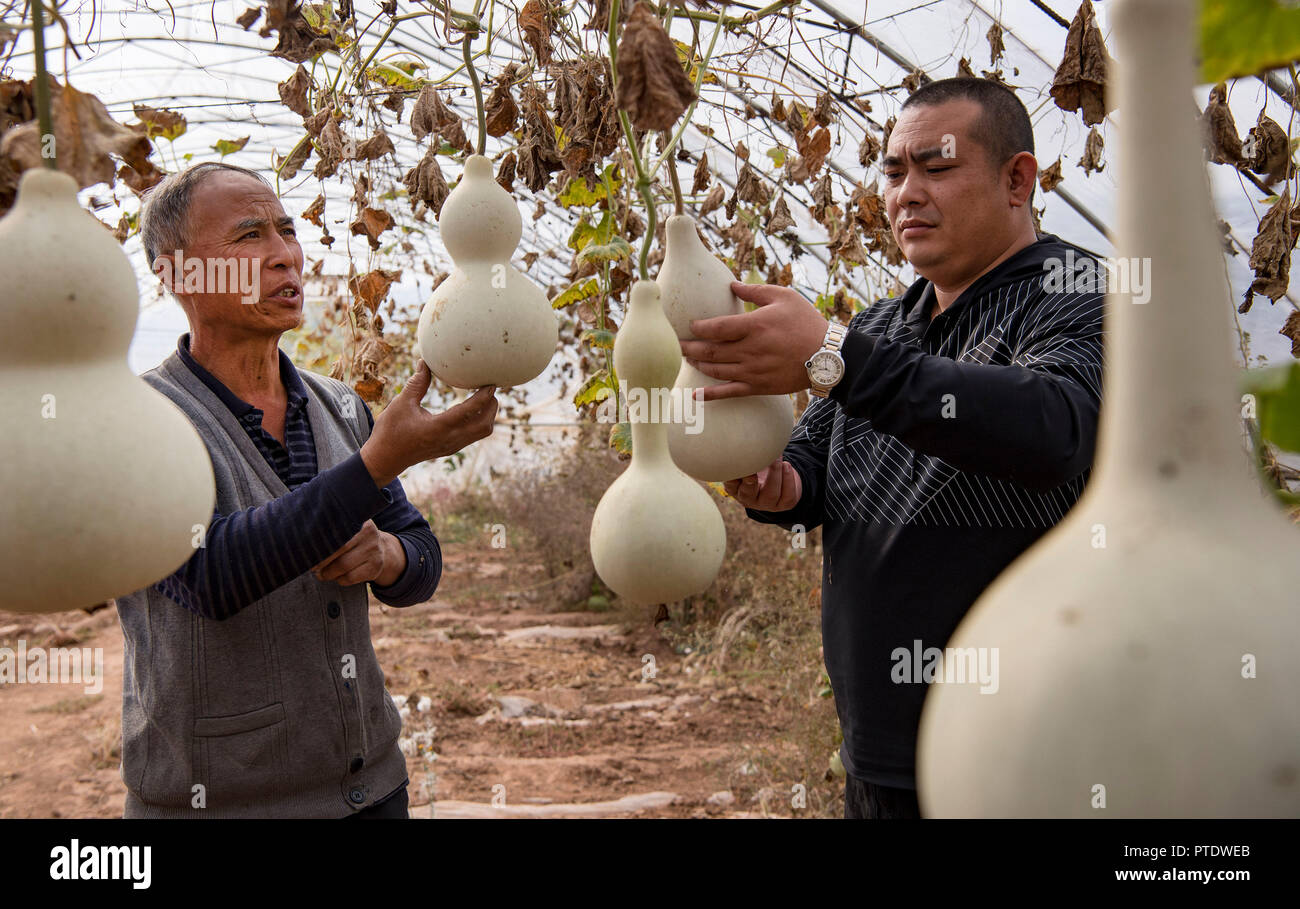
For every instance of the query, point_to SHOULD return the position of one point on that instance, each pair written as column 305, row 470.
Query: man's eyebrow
column 251, row 223
column 924, row 154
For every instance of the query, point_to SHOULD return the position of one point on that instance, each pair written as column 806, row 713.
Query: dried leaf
column 330, row 146
column 1049, row 178
column 963, row 69
column 749, row 188
column 375, row 147
column 298, row 41
column 912, row 81
column 1269, row 150
column 824, row 113
column 652, row 86
column 1091, row 161
column 534, row 22
column 822, row 200
column 778, row 107
column 316, row 122
column 814, row 148
column 1080, row 80
column 1292, row 330
column 1270, row 253
column 316, row 211
column 846, row 245
column 246, row 19
column 996, row 47
column 538, row 153
column 780, row 219
column 713, row 200
column 371, row 223
column 742, row 151
column 372, row 287
column 426, row 183
column 702, row 175
column 506, row 173
column 502, row 112
column 85, row 138
column 1222, row 142
column 293, row 92
column 431, row 115
column 869, row 150
column 160, row 124
column 782, row 277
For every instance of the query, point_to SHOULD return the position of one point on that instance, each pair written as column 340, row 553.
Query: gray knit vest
column 263, row 711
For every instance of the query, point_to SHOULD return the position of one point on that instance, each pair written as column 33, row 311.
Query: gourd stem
column 677, row 188
column 42, row 87
column 478, row 92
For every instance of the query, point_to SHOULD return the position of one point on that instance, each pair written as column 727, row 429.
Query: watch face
column 825, row 368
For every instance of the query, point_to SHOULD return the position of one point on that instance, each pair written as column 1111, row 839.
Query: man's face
column 948, row 205
column 235, row 220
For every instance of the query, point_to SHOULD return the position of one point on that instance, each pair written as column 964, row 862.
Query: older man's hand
column 776, row 487
column 371, row 555
column 761, row 352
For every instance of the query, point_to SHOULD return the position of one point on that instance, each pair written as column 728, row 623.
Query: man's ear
column 1021, row 175
column 164, row 267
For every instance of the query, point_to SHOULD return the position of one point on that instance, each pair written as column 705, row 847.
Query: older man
column 250, row 686
column 950, row 428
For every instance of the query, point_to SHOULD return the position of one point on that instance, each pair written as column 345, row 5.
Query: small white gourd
column 657, row 535
column 105, row 485
column 733, row 437
column 1146, row 646
column 486, row 323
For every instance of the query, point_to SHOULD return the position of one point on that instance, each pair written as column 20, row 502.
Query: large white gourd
column 487, row 323
column 656, row 536
column 105, row 486
column 1126, row 637
column 733, row 437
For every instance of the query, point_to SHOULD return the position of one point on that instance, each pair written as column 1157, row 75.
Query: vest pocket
column 243, row 756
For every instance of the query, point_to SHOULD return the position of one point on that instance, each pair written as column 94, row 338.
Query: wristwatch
column 826, row 366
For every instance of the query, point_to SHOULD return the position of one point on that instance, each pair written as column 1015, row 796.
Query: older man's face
column 233, row 216
column 949, row 206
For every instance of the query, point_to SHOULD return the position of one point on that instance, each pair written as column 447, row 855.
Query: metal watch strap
column 834, row 340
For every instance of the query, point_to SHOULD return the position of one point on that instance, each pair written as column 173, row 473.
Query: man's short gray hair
column 165, row 210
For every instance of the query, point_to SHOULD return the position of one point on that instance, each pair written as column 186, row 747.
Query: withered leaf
column 869, row 150
column 372, row 287
column 730, row 208
column 600, row 15
column 889, row 128
column 246, row 19
column 796, row 169
column 361, row 192
column 750, row 188
column 780, row 219
column 912, row 81
column 702, row 176
column 534, row 22
column 813, row 148
column 963, row 68
column 1268, row 149
column 1080, row 80
column 1292, row 330
column 585, row 112
column 713, row 200
column 316, row 211
column 426, row 183
column 1222, row 142
column 652, row 86
column 375, row 147
column 296, row 158
column 778, row 106
column 868, row 209
column 293, row 92
column 163, row 124
column 1049, row 178
column 17, row 103
column 996, row 47
column 822, row 200
column 1270, row 253
column 298, row 41
column 501, row 111
column 329, row 145
column 1092, row 148
column 371, row 223
column 506, row 173
column 742, row 151
column 846, row 245
column 538, row 153
column 782, row 277
column 85, row 138
column 431, row 115
column 824, row 113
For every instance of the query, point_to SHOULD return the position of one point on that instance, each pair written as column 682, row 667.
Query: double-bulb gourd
column 486, row 323
column 105, row 486
column 728, row 438
column 1147, row 644
column 656, row 536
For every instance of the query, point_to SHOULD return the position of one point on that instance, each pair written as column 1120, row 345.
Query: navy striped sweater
column 946, row 450
column 249, row 554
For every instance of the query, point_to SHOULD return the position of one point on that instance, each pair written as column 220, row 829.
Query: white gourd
column 733, row 437
column 1126, row 636
column 657, row 535
column 105, row 486
column 486, row 323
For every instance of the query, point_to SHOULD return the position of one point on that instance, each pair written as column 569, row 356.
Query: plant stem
column 478, row 94
column 677, row 187
column 42, row 86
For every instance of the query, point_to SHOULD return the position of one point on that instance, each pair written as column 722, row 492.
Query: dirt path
column 512, row 709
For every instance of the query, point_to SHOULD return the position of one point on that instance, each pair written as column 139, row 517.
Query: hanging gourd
column 732, row 437
column 105, row 486
column 656, row 536
column 1146, row 645
column 487, row 323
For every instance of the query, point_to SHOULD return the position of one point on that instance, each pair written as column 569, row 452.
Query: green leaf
column 1277, row 403
column 586, row 233
column 1243, row 37
column 620, row 438
column 594, row 390
column 599, row 337
column 399, row 74
column 691, row 62
column 578, row 193
column 613, row 251
column 577, row 293
column 777, row 155
column 229, row 146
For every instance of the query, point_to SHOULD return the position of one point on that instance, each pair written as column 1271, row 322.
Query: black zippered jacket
column 945, row 451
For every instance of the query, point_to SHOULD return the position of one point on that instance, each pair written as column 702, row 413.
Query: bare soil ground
column 527, row 711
